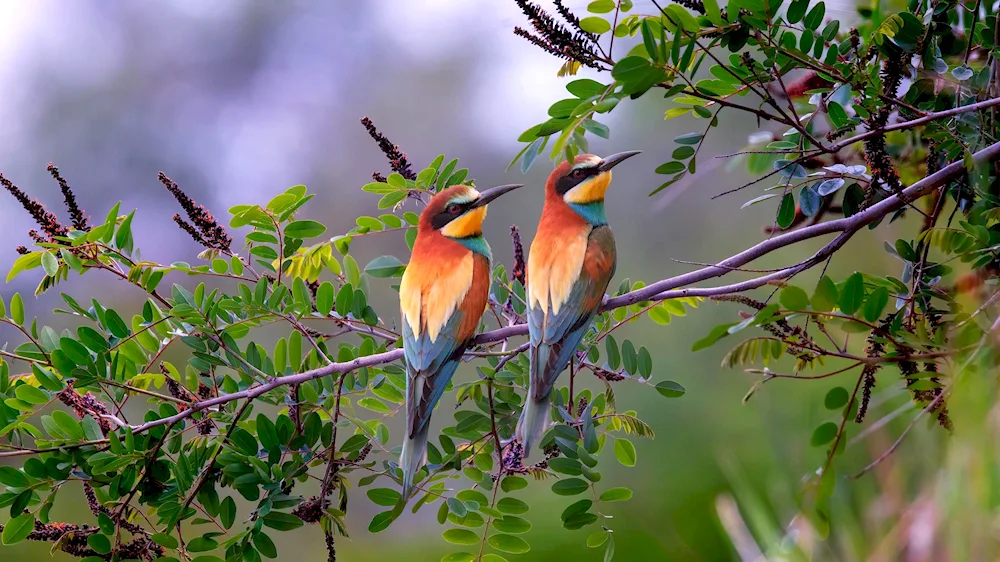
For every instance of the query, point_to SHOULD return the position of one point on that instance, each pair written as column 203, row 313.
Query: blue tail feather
column 534, row 419
column 413, row 457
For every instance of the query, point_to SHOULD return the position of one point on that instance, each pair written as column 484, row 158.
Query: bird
column 570, row 263
column 442, row 295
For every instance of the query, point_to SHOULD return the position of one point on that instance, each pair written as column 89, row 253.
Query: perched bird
column 442, row 296
column 570, row 264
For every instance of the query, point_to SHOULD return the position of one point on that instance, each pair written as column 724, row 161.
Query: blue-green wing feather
column 554, row 337
column 429, row 367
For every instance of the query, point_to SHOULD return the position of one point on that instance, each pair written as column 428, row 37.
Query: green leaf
column 324, row 298
column 601, row 6
column 815, row 16
column 69, row 425
column 17, row 309
column 824, row 298
column 165, row 540
column 595, row 25
column 46, row 378
column 228, row 512
column 676, row 15
column 670, row 389
column 244, row 441
column 809, row 201
column 961, row 73
column 875, row 304
column 599, row 129
column 123, row 238
column 385, row 266
column 569, row 487
column 790, row 169
column 304, row 229
column 282, row 521
column 266, row 432
column 12, row 477
column 616, row 495
column 670, row 167
column 579, row 520
column 585, row 87
column 202, row 544
column 786, row 212
column 31, row 395
column 382, row 521
column 24, row 263
column 459, row 557
column 836, row 113
column 758, row 199
column 794, row 298
column 50, row 264
column 565, row 465
column 823, row 434
column 509, row 544
column 689, row 138
column 649, row 42
column 102, row 545
column 625, row 452
column 796, row 10
column 512, row 524
column 512, row 483
column 836, row 398
column 853, row 199
column 265, row 545
column 713, row 12
column 383, row 496
column 629, row 357
column 645, row 363
column 827, row 187
column 456, row 506
column 18, row 529
column 512, row 506
column 597, row 539
column 852, row 294
column 460, row 536
column 115, row 324
column 636, row 74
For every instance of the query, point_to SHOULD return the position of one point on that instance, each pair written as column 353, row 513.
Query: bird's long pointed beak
column 494, row 192
column 615, row 159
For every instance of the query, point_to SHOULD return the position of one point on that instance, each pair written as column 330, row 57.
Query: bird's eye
column 454, row 209
column 578, row 173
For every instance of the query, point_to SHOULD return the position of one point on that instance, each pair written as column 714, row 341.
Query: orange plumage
column 442, row 296
column 571, row 262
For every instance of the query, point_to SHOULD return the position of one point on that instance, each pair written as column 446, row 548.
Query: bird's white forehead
column 465, row 196
column 590, row 160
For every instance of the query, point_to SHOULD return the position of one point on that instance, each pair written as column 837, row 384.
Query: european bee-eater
column 571, row 262
column 442, row 296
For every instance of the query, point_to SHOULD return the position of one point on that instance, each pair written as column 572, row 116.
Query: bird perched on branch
column 442, row 296
column 570, row 264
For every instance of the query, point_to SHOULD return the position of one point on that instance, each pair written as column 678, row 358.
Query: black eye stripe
column 444, row 217
column 571, row 180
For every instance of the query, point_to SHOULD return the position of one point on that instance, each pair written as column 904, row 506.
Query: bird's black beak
column 492, row 193
column 615, row 159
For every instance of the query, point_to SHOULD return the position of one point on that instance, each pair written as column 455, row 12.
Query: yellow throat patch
column 590, row 190
column 469, row 224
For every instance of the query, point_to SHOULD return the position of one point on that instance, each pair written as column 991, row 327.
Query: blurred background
column 238, row 100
